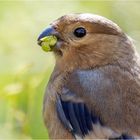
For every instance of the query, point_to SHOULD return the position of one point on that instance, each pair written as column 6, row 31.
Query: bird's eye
column 80, row 32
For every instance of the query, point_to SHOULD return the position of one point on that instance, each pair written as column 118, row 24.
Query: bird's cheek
column 59, row 44
column 59, row 48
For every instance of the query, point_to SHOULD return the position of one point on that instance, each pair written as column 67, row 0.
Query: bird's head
column 83, row 40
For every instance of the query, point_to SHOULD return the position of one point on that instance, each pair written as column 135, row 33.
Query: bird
column 94, row 89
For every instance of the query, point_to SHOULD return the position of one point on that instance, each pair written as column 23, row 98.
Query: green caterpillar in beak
column 48, row 43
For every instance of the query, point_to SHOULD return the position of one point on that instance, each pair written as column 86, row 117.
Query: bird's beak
column 48, row 39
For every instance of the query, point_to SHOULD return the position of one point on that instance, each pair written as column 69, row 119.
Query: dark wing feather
column 83, row 118
column 72, row 117
column 88, row 118
column 63, row 116
column 76, row 117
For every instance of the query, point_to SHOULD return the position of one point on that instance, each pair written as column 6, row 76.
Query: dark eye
column 80, row 32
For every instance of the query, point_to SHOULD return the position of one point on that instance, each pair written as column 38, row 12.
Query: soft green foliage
column 48, row 43
column 25, row 69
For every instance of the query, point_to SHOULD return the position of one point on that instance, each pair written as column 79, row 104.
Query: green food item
column 48, row 43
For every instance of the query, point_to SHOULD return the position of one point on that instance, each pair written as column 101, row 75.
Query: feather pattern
column 77, row 118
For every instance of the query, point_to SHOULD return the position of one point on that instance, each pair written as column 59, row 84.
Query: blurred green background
column 25, row 68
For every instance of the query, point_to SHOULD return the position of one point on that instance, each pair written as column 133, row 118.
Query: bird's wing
column 75, row 115
column 74, row 111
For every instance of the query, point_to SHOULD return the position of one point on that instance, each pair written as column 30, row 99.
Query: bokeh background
column 25, row 69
